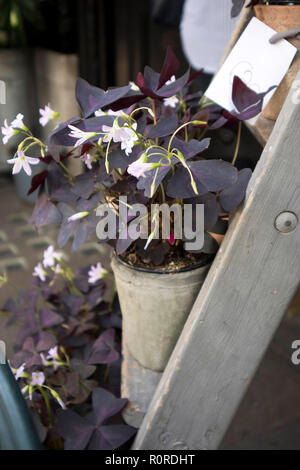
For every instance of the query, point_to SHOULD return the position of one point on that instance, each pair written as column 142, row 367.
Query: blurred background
column 44, row 46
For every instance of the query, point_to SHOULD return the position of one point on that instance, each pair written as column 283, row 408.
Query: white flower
column 19, row 371
column 22, row 161
column 50, row 256
column 172, row 101
column 138, row 168
column 88, row 159
column 37, row 378
column 53, row 356
column 18, row 122
column 115, row 132
column 127, row 145
column 40, row 272
column 99, row 112
column 124, row 134
column 51, row 359
column 82, row 136
column 108, row 113
column 96, row 273
column 172, row 79
column 134, row 86
column 52, row 353
column 47, row 115
column 9, row 131
column 77, row 216
column 44, row 361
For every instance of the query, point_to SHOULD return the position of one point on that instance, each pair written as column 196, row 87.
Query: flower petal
column 26, row 167
column 17, row 166
column 32, row 161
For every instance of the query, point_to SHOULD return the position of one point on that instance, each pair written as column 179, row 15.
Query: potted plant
column 144, row 146
column 282, row 16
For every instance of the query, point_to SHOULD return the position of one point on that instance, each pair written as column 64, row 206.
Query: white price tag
column 255, row 61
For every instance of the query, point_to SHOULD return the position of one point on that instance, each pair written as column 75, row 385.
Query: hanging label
column 255, row 61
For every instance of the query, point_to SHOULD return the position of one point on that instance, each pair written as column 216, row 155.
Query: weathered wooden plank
column 261, row 129
column 241, row 303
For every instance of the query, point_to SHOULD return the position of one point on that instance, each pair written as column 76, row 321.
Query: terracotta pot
column 281, row 18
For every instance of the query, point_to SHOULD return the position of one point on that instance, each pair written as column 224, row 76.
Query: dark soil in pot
column 163, row 257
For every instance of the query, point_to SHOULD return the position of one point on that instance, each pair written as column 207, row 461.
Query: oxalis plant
column 147, row 141
column 67, row 359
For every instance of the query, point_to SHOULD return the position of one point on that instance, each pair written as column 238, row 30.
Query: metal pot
column 155, row 307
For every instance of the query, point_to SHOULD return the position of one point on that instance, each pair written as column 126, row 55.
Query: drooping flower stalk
column 238, row 142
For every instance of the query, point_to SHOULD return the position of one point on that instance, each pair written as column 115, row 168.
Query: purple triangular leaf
column 191, row 148
column 232, row 196
column 151, row 78
column 91, row 98
column 209, row 175
column 247, row 102
column 48, row 318
column 170, row 67
column 105, row 405
column 45, row 212
column 76, row 430
column 36, row 181
column 128, row 100
column 73, row 302
column 83, row 185
column 104, row 349
column 164, row 127
column 169, row 90
column 111, row 437
column 45, row 341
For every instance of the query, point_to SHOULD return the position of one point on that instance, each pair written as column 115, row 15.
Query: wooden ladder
column 247, row 291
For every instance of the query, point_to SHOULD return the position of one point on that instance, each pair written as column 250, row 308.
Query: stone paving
column 269, row 415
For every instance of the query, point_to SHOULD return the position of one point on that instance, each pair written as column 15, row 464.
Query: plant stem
column 106, row 373
column 185, row 134
column 154, row 117
column 205, row 129
column 47, row 403
column 106, row 156
column 162, row 193
column 153, row 109
column 66, row 170
column 180, row 128
column 238, row 141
